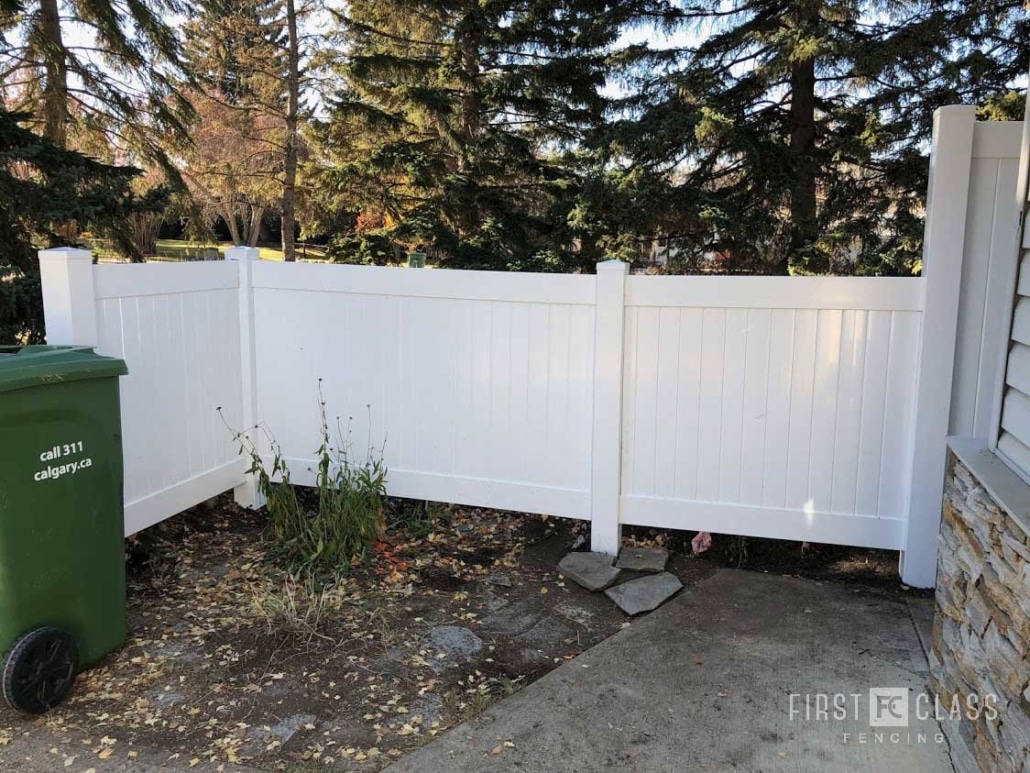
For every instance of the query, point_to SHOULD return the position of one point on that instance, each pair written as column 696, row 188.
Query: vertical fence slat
column 709, row 436
column 799, row 434
column 667, row 405
column 756, row 410
column 731, row 420
column 688, row 401
column 823, row 432
column 849, row 405
column 874, row 389
column 777, row 408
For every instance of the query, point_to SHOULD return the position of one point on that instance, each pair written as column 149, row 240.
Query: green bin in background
column 62, row 567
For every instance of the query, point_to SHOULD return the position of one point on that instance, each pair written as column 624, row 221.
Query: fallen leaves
column 505, row 744
column 205, row 678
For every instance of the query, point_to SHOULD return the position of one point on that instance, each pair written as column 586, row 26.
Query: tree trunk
column 468, row 220
column 229, row 213
column 256, row 213
column 804, row 224
column 289, row 224
column 55, row 62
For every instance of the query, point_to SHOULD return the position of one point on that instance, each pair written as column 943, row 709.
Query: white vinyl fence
column 478, row 383
column 798, row 408
column 776, row 407
column 177, row 327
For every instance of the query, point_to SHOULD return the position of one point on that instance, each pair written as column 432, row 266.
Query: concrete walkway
column 705, row 684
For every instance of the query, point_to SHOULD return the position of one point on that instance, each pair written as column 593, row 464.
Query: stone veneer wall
column 981, row 631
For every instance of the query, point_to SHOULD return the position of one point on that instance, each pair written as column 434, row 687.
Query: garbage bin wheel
column 39, row 671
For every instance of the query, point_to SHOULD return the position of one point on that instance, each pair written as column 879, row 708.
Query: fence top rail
column 569, row 289
column 131, row 280
column 758, row 292
column 777, row 292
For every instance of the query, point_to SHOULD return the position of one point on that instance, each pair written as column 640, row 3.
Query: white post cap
column 242, row 253
column 613, row 265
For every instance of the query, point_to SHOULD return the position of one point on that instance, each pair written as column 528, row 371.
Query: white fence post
column 247, row 494
column 606, row 448
column 69, row 301
column 943, row 247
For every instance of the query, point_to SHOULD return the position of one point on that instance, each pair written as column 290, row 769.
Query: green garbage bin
column 62, row 568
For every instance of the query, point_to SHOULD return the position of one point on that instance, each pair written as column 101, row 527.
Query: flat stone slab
column 643, row 559
column 645, row 594
column 594, row 571
column 451, row 645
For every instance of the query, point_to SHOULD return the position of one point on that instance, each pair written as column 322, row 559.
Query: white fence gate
column 777, row 407
column 797, row 408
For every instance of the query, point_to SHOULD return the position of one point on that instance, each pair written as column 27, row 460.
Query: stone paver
column 451, row 645
column 645, row 594
column 643, row 559
column 594, row 571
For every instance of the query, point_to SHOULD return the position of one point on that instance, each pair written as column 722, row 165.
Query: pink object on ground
column 702, row 541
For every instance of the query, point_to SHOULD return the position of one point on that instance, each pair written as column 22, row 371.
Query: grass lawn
column 184, row 250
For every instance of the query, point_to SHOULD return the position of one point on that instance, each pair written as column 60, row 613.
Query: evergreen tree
column 456, row 119
column 794, row 134
column 43, row 188
column 116, row 90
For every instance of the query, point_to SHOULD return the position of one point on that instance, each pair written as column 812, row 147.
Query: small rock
column 428, row 707
column 594, row 571
column 512, row 619
column 643, row 559
column 493, row 603
column 166, row 699
column 575, row 613
column 502, row 580
column 549, row 634
column 532, row 657
column 181, row 650
column 645, row 594
column 456, row 645
column 279, row 734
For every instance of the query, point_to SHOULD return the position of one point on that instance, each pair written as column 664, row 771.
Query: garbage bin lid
column 22, row 367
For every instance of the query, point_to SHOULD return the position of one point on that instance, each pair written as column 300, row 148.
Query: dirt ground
column 229, row 664
column 813, row 561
